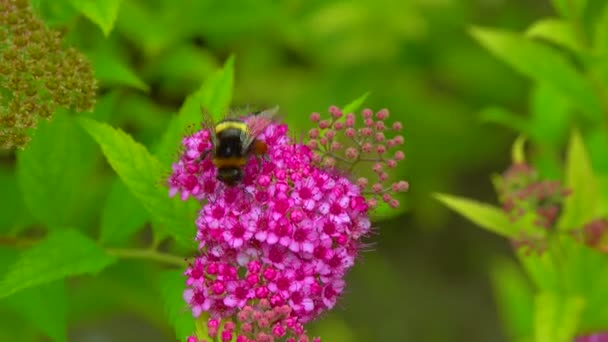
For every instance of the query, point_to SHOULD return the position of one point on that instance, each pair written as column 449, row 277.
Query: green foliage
column 44, row 307
column 542, row 64
column 514, row 297
column 567, row 298
column 112, row 70
column 142, row 173
column 556, row 31
column 555, row 317
column 52, row 170
column 171, row 286
column 63, row 253
column 354, row 105
column 214, row 96
column 419, row 62
column 570, row 8
column 102, row 13
column 486, row 216
column 582, row 205
column 122, row 215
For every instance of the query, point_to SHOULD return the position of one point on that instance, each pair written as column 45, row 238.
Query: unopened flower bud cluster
column 341, row 140
column 38, row 74
column 528, row 199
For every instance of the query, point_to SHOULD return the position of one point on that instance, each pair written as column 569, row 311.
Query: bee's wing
column 209, row 124
column 257, row 124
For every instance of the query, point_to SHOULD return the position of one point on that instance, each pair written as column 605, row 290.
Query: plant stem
column 147, row 254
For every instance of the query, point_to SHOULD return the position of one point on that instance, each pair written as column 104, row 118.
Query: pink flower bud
column 368, row 113
column 335, row 112
column 351, row 153
column 313, row 133
column 377, row 188
column 315, row 117
column 362, row 182
column 382, row 114
column 383, row 176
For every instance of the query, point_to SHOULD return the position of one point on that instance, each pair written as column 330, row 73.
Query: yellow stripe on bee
column 231, row 124
column 229, row 162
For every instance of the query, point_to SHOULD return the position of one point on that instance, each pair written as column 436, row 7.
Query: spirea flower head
column 38, row 74
column 528, row 199
column 276, row 247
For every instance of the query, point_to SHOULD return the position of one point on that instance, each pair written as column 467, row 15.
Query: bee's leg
column 203, row 155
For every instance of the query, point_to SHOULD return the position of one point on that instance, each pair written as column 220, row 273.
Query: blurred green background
column 426, row 277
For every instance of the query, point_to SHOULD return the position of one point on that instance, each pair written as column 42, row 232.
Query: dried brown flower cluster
column 37, row 74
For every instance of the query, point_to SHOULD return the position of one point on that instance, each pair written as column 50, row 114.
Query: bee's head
column 230, row 175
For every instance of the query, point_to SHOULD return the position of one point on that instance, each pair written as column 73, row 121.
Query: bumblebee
column 234, row 142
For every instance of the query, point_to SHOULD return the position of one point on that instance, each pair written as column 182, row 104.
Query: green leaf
column 44, row 307
column 542, row 64
column 142, row 173
column 214, row 95
column 62, row 254
column 15, row 215
column 55, row 13
column 555, row 31
column 600, row 36
column 581, row 206
column 483, row 215
column 551, row 115
column 53, row 168
column 112, row 70
column 505, row 118
column 217, row 90
column 556, row 318
column 541, row 269
column 122, row 215
column 102, row 13
column 518, row 153
column 514, row 297
column 355, row 104
column 171, row 286
column 570, row 8
column 596, row 140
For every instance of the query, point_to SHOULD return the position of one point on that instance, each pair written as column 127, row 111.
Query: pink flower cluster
column 259, row 323
column 524, row 196
column 286, row 235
